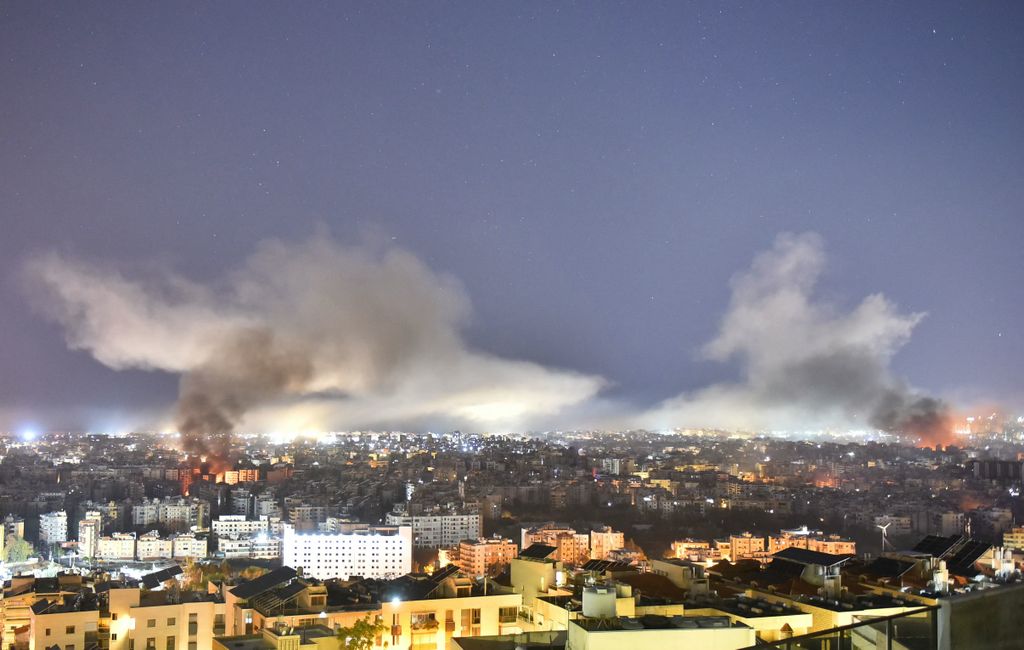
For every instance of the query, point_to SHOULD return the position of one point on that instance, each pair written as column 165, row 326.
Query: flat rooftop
column 655, row 622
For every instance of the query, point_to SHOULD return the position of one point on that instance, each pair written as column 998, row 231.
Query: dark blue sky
column 593, row 173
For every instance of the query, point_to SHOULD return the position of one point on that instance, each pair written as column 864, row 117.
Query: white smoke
column 309, row 335
column 805, row 363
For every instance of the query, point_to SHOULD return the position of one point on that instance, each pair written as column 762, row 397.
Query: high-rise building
column 89, row 530
column 379, row 552
column 53, row 528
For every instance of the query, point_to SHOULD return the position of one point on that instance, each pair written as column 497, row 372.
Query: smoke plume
column 806, row 363
column 304, row 336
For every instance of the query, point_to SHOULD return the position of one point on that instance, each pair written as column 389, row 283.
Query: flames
column 202, row 469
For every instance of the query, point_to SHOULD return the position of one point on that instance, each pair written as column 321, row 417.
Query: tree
column 361, row 634
column 17, row 550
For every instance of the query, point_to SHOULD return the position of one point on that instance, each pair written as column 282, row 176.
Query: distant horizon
column 510, row 216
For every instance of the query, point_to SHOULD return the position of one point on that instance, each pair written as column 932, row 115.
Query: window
column 192, row 645
column 172, row 621
column 508, row 614
column 69, row 629
column 171, row 645
column 471, row 622
column 151, row 643
column 151, row 622
column 47, row 631
column 113, row 616
column 113, row 637
column 70, row 646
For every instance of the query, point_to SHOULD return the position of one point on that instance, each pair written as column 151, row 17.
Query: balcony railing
column 916, row 629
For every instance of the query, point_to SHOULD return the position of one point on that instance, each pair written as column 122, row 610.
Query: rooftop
column 655, row 622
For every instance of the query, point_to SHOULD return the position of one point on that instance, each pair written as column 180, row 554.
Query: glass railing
column 912, row 630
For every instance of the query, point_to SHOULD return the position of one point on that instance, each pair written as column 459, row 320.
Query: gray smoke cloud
column 303, row 336
column 806, row 363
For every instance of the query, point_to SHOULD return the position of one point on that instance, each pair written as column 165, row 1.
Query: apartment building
column 439, row 529
column 150, row 547
column 603, row 541
column 570, row 547
column 119, row 546
column 485, row 556
column 376, row 552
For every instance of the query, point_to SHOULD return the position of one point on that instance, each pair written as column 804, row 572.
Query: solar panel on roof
column 153, row 580
column 963, row 560
column 804, row 556
column 264, row 583
column 606, row 565
column 937, row 546
column 441, row 574
column 538, row 551
column 885, row 567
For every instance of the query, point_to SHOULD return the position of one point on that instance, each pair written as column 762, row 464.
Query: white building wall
column 339, row 555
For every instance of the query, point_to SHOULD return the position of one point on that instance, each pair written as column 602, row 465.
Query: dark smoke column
column 249, row 368
column 901, row 411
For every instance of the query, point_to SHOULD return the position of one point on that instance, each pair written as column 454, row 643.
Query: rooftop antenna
column 885, row 540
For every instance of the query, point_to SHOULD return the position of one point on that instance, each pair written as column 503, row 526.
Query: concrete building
column 14, row 526
column 150, row 547
column 187, row 545
column 255, row 547
column 53, row 528
column 740, row 547
column 485, row 556
column 89, row 530
column 119, row 546
column 603, row 541
column 439, row 530
column 378, row 552
column 163, row 621
column 570, row 547
column 1014, row 538
column 238, row 526
column 146, row 514
column 627, row 633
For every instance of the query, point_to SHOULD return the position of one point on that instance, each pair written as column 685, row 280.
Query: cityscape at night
column 511, row 326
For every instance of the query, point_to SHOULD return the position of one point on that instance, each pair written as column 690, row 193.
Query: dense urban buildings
column 755, row 537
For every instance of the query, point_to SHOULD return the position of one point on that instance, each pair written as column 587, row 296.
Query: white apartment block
column 267, row 506
column 240, row 526
column 377, row 552
column 183, row 546
column 175, row 513
column 260, row 547
column 151, row 546
column 119, row 546
column 237, row 526
column 439, row 530
column 53, row 528
column 146, row 513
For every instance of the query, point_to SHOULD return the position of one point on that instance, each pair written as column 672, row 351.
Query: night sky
column 592, row 174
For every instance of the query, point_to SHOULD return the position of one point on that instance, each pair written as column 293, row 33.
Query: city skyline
column 574, row 194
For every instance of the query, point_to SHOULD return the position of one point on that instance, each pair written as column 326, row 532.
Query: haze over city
column 511, row 325
column 503, row 218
